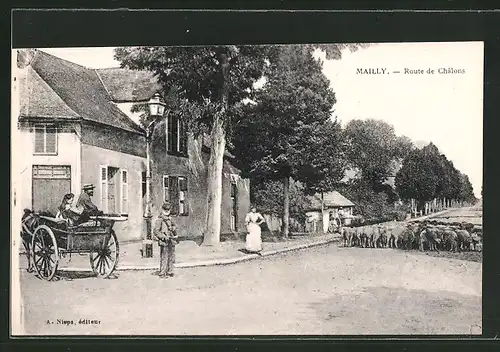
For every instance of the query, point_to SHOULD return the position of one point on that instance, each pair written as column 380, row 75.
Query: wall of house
column 108, row 137
column 92, row 159
column 68, row 154
column 243, row 202
column 193, row 167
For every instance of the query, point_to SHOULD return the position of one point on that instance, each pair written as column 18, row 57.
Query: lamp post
column 156, row 110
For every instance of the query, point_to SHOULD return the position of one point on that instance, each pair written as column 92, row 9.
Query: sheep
column 464, row 239
column 408, row 238
column 363, row 237
column 431, row 237
column 348, row 234
column 382, row 239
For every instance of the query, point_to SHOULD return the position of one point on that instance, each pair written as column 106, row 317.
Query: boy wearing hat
column 166, row 234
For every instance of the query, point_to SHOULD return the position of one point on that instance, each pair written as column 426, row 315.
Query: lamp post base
column 147, row 249
column 147, row 242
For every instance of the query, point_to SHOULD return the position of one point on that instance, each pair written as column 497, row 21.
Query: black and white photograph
column 285, row 189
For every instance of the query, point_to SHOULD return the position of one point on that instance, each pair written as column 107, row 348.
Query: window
column 113, row 190
column 124, row 192
column 176, row 135
column 175, row 190
column 182, row 196
column 45, row 139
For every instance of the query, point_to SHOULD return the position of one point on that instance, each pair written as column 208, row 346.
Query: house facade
column 179, row 176
column 71, row 131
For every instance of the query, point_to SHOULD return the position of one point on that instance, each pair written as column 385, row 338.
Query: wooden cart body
column 47, row 239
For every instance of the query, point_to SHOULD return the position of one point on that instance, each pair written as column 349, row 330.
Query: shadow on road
column 76, row 275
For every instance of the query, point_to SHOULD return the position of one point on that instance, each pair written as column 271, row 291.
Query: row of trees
column 282, row 133
column 427, row 174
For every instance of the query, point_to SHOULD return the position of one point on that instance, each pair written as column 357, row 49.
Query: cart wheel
column 103, row 262
column 45, row 254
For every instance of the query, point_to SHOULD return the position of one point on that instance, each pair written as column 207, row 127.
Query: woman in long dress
column 254, row 240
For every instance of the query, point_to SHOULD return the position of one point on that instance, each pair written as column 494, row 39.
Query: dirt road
column 323, row 290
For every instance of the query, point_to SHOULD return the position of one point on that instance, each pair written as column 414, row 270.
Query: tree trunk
column 211, row 234
column 322, row 214
column 286, row 206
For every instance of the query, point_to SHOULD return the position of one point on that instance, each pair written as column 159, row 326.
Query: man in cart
column 84, row 200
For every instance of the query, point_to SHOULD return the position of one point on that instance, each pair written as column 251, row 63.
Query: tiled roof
column 81, row 90
column 330, row 199
column 39, row 100
column 126, row 85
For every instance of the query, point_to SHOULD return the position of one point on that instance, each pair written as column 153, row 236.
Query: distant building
column 335, row 205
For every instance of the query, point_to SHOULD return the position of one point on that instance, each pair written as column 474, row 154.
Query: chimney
column 24, row 57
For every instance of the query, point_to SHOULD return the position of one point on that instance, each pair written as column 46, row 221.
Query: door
column 234, row 207
column 50, row 184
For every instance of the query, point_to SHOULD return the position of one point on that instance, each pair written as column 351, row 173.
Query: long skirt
column 253, row 240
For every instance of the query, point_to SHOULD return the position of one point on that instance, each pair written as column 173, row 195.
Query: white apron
column 253, row 239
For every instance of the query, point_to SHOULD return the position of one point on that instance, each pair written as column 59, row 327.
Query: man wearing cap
column 85, row 203
column 166, row 234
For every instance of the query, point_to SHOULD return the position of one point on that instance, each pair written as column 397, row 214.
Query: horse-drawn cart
column 47, row 239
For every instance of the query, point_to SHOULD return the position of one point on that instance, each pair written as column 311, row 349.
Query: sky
column 443, row 108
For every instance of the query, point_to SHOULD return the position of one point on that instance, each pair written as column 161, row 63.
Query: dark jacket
column 85, row 202
column 165, row 231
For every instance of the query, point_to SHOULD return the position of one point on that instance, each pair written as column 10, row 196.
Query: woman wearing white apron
column 253, row 240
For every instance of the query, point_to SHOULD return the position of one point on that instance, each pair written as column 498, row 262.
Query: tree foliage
column 288, row 132
column 267, row 196
column 373, row 146
column 427, row 174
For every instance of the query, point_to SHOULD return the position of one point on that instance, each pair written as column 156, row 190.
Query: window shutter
column 174, row 195
column 183, row 138
column 104, row 187
column 166, row 193
column 50, row 139
column 124, row 192
column 40, row 139
column 171, row 133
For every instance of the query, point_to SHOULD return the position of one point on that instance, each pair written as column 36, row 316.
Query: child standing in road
column 166, row 234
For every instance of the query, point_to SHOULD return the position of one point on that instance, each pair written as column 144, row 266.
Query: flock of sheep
column 425, row 235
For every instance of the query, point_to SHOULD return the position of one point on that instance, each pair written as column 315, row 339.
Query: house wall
column 68, row 154
column 193, row 167
column 108, row 137
column 243, row 202
column 92, row 159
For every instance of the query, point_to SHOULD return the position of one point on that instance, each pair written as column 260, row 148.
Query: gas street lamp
column 156, row 111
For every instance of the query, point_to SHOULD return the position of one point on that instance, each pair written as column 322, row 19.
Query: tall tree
column 373, row 148
column 215, row 79
column 466, row 193
column 290, row 111
column 416, row 179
